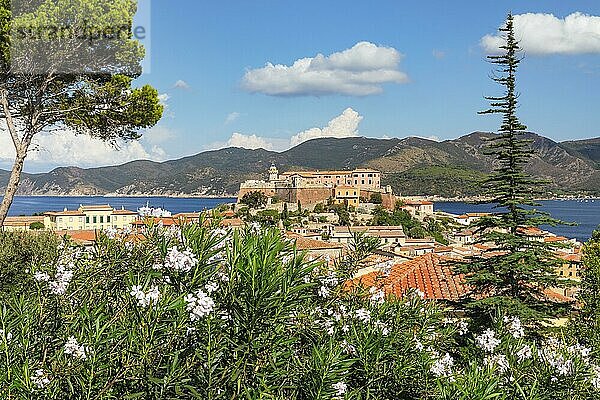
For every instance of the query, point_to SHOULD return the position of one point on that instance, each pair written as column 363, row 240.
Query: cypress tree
column 515, row 271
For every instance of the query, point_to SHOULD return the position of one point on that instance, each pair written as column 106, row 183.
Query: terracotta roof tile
column 427, row 273
column 303, row 243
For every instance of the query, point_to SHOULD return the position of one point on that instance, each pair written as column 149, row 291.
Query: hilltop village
column 323, row 213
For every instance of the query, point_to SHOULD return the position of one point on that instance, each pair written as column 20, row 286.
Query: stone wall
column 388, row 199
column 269, row 192
column 307, row 196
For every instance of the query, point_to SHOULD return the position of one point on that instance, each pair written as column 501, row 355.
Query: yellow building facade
column 95, row 217
column 348, row 195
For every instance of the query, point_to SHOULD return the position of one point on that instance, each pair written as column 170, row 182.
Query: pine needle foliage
column 517, row 269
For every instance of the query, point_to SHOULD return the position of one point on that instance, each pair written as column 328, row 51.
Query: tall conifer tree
column 514, row 273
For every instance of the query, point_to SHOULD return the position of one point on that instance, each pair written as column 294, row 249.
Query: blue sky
column 208, row 47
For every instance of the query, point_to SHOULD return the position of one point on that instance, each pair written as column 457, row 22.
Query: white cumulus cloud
column 344, row 125
column 63, row 148
column 231, row 117
column 541, row 34
column 181, row 84
column 249, row 141
column 358, row 71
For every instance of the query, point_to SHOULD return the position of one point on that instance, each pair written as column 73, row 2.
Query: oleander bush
column 19, row 251
column 201, row 312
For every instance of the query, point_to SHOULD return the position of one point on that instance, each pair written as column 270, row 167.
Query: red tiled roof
column 63, row 213
column 303, row 243
column 427, row 273
column 166, row 221
column 83, row 236
column 100, row 207
column 22, row 220
column 124, row 212
column 555, row 239
column 531, row 231
column 232, row 222
column 571, row 257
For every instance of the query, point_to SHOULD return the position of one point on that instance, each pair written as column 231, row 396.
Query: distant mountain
column 411, row 166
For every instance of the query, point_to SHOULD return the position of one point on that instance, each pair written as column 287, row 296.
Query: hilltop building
column 312, row 187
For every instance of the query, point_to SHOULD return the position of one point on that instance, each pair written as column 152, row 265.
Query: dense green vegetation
column 412, row 226
column 254, row 199
column 211, row 314
column 447, row 181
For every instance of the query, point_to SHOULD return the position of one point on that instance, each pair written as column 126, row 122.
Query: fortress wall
column 389, row 200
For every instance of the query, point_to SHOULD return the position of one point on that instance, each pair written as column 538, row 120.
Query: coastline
column 133, row 196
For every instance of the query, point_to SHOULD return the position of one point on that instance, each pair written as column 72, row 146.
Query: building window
column 87, row 220
column 94, row 219
column 108, row 218
column 363, row 182
column 102, row 219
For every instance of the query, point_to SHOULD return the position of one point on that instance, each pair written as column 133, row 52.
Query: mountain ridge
column 411, row 165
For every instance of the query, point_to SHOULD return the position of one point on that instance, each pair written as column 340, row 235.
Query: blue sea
column 586, row 214
column 28, row 205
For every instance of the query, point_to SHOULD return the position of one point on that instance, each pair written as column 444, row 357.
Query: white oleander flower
column 497, row 360
column 73, row 348
column 329, row 327
column 323, row 291
column 487, row 341
column 111, row 232
column 182, row 261
column 347, row 347
column 419, row 346
column 595, row 381
column 582, row 351
column 442, row 367
column 382, row 327
column 39, row 378
column 199, row 304
column 41, row 277
column 61, row 280
column 556, row 360
column 341, row 388
column 363, row 315
column 8, row 335
column 211, row 287
column 223, row 276
column 513, row 325
column 524, row 353
column 145, row 298
column 462, row 327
